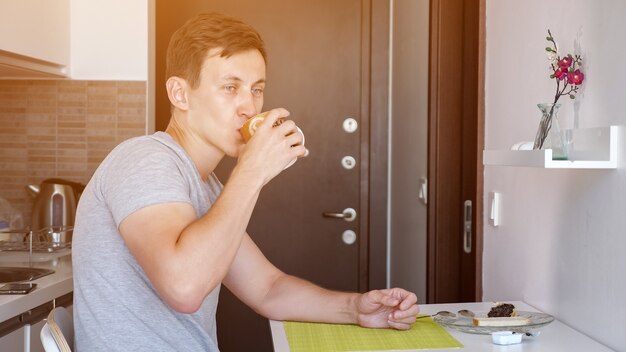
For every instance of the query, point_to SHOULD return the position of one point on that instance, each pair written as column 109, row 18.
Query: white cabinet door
column 35, row 331
column 13, row 342
column 35, row 35
column 35, row 340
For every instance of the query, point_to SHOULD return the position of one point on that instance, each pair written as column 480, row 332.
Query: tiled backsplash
column 62, row 129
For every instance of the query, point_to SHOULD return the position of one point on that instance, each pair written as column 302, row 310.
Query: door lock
column 348, row 214
column 348, row 162
column 348, row 237
column 350, row 125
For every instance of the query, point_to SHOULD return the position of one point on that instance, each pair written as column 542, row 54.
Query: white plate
column 464, row 324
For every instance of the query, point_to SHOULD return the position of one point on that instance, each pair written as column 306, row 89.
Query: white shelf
column 592, row 148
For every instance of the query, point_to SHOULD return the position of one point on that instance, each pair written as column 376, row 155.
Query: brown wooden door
column 455, row 148
column 315, row 70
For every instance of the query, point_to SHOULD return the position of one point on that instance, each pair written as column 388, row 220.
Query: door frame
column 375, row 145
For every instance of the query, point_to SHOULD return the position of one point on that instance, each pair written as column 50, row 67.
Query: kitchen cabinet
column 35, row 331
column 21, row 316
column 35, row 40
column 591, row 148
column 14, row 341
column 35, row 340
column 74, row 39
column 28, row 325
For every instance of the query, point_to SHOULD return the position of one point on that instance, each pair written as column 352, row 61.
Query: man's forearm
column 291, row 298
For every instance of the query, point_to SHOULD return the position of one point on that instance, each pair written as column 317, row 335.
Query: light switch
column 495, row 198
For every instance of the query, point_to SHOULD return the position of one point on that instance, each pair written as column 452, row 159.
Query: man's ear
column 177, row 92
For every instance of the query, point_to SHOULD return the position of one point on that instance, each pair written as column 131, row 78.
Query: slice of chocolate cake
column 502, row 310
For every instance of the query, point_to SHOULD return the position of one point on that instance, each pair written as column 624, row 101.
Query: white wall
column 109, row 39
column 562, row 244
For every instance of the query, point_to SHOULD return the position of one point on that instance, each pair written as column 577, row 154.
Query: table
column 555, row 337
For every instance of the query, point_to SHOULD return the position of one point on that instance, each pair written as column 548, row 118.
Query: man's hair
column 191, row 43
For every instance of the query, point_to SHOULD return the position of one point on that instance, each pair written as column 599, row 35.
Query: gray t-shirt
column 116, row 308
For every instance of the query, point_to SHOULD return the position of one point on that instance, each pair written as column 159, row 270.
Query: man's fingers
column 389, row 301
column 408, row 301
column 403, row 315
column 271, row 116
column 406, row 298
column 398, row 325
column 402, row 320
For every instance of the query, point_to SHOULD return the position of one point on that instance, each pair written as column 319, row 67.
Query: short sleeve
column 138, row 175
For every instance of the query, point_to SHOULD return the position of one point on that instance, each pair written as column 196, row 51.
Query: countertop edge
column 48, row 288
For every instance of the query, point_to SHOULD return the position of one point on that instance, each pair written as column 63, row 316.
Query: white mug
column 305, row 153
column 250, row 126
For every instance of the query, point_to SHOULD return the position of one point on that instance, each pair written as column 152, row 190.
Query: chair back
column 57, row 335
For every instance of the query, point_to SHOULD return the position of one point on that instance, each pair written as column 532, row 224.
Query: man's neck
column 204, row 156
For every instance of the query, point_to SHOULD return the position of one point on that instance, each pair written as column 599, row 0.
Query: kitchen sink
column 21, row 274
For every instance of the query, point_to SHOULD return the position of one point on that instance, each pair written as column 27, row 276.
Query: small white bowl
column 505, row 338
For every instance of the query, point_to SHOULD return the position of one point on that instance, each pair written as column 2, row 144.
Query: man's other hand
column 389, row 308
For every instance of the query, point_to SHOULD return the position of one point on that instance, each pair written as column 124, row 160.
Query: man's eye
column 257, row 92
column 230, row 89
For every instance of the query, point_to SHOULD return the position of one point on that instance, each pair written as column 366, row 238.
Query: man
column 156, row 233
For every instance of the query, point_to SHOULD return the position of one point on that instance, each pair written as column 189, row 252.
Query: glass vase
column 549, row 133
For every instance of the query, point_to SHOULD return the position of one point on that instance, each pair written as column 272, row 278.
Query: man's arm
column 276, row 295
column 185, row 258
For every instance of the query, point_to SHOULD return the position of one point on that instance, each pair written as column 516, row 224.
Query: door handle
column 348, row 214
column 467, row 226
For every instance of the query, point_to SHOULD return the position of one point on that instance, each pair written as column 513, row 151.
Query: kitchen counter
column 555, row 337
column 48, row 288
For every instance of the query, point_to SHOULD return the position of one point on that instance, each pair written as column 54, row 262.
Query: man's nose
column 246, row 105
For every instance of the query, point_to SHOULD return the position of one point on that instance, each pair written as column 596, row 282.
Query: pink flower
column 565, row 62
column 564, row 67
column 560, row 73
column 575, row 77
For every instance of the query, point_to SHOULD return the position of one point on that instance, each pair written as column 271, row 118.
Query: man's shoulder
column 144, row 141
column 141, row 147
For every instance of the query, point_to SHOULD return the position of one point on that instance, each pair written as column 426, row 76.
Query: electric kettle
column 55, row 207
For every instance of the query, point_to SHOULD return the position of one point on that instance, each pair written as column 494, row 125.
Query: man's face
column 230, row 92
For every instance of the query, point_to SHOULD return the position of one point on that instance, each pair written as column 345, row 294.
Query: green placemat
column 317, row 337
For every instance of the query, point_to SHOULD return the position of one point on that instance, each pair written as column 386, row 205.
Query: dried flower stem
column 544, row 127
